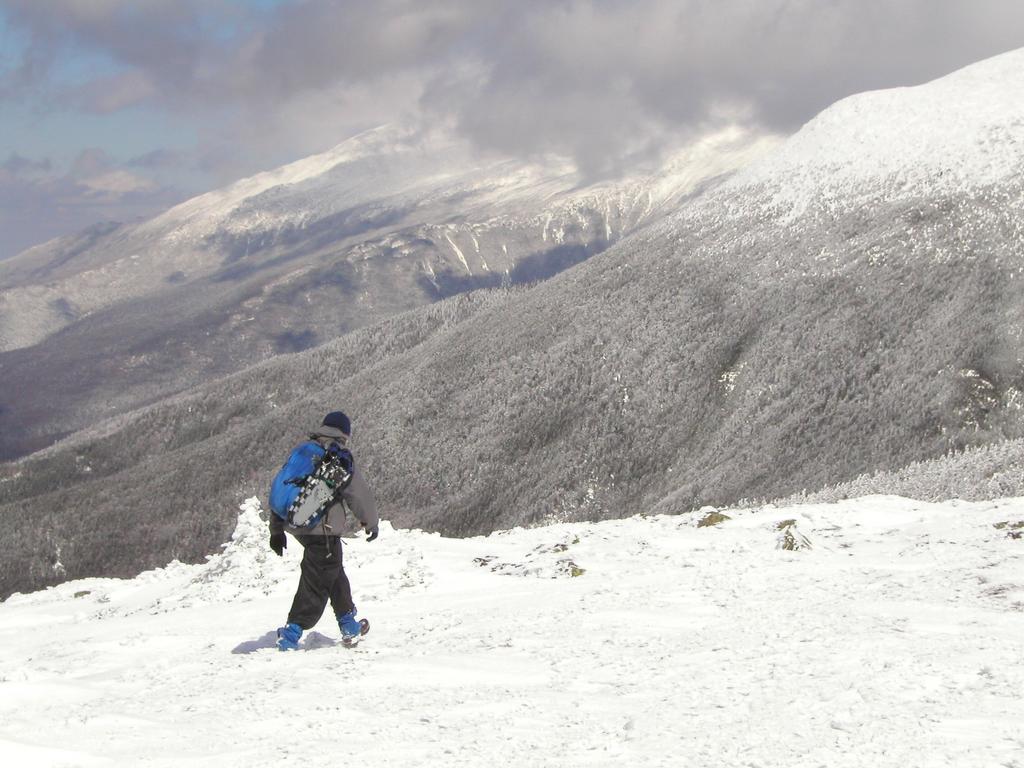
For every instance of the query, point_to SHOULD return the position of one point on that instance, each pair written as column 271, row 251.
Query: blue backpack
column 309, row 482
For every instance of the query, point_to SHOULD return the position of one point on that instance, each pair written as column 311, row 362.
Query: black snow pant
column 323, row 578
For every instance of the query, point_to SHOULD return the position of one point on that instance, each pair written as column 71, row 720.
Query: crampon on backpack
column 308, row 482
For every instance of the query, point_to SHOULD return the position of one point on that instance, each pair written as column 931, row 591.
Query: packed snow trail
column 896, row 640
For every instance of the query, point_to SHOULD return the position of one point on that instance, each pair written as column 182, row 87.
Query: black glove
column 373, row 532
column 278, row 543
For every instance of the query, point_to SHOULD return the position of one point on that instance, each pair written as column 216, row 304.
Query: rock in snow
column 894, row 640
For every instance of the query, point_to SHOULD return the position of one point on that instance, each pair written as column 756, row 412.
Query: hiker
column 322, row 573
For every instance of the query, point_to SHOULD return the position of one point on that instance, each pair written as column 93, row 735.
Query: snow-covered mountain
column 959, row 133
column 428, row 204
column 741, row 348
column 874, row 632
column 95, row 325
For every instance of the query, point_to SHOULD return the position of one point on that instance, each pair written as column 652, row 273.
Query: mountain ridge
column 961, row 130
column 263, row 268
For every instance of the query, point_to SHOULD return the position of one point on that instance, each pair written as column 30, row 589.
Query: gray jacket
column 357, row 496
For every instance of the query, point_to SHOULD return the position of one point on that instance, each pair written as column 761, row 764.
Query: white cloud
column 117, row 183
column 584, row 77
column 606, row 82
column 39, row 202
column 106, row 95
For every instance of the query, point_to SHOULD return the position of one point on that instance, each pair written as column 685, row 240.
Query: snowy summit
column 961, row 131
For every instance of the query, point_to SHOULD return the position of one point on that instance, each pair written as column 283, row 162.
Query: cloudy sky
column 115, row 109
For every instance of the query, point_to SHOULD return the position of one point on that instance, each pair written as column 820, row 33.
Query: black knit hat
column 338, row 420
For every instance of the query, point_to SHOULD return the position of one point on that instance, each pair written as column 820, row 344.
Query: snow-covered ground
column 897, row 639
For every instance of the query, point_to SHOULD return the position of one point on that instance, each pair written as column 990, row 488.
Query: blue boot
column 351, row 629
column 288, row 637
